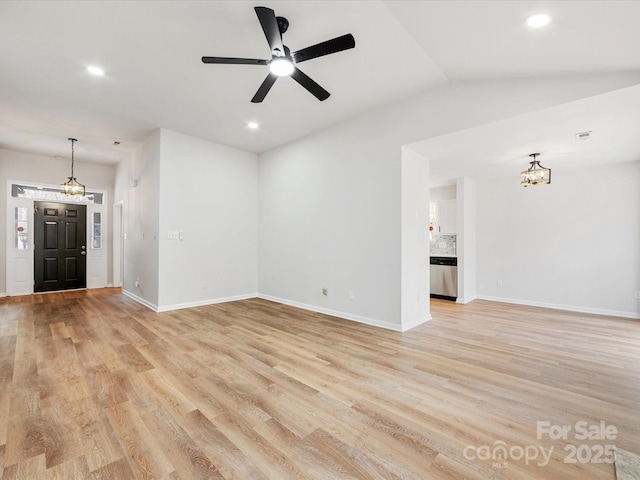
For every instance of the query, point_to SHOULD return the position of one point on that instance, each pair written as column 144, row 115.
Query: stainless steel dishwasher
column 443, row 272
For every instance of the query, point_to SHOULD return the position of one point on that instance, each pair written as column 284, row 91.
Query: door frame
column 19, row 271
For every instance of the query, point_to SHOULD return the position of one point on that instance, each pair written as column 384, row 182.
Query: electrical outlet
column 325, row 291
column 352, row 295
column 499, row 283
column 637, row 295
column 172, row 235
column 204, row 285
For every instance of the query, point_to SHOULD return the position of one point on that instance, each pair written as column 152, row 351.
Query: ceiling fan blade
column 235, row 61
column 267, row 18
column 315, row 89
column 264, row 88
column 334, row 45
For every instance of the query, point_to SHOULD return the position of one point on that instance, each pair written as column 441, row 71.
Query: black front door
column 60, row 249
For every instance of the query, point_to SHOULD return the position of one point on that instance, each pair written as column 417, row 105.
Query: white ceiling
column 489, row 39
column 503, row 148
column 154, row 78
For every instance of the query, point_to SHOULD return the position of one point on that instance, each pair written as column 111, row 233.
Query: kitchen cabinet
column 445, row 217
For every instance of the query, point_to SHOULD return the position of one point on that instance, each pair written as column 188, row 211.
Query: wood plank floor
column 95, row 386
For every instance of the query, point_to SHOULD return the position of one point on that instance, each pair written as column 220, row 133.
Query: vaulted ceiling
column 150, row 52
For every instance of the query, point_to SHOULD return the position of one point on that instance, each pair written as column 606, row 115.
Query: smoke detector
column 583, row 135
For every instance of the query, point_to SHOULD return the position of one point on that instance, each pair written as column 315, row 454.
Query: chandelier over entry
column 72, row 186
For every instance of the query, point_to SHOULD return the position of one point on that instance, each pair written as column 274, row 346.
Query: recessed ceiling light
column 93, row 70
column 538, row 20
column 253, row 125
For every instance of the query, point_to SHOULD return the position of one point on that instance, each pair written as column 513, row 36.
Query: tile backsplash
column 443, row 245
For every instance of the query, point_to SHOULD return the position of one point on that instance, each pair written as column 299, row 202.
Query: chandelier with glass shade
column 536, row 174
column 72, row 186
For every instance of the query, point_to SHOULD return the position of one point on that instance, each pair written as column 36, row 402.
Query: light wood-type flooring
column 95, row 386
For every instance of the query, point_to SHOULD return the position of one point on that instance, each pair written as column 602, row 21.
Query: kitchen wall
column 573, row 244
column 442, row 244
column 32, row 168
column 447, row 192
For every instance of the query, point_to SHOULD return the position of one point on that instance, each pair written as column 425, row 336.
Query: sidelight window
column 96, row 230
column 21, row 229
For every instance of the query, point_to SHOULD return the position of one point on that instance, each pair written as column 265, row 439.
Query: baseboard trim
column 202, row 303
column 313, row 308
column 464, row 301
column 2, row 294
column 416, row 323
column 333, row 313
column 556, row 306
column 140, row 300
column 180, row 306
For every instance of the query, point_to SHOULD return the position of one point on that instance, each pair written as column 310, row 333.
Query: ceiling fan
column 283, row 62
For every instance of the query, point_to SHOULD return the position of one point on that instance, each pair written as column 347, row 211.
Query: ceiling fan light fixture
column 536, row 174
column 72, row 187
column 283, row 61
column 282, row 67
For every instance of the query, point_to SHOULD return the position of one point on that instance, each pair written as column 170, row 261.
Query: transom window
column 53, row 194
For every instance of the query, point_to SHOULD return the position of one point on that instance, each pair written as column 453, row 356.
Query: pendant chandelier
column 536, row 174
column 72, row 186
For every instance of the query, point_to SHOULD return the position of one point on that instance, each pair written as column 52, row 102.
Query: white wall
column 38, row 169
column 447, row 192
column 415, row 281
column 466, row 226
column 330, row 203
column 572, row 244
column 209, row 192
column 141, row 221
column 122, row 185
column 329, row 217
